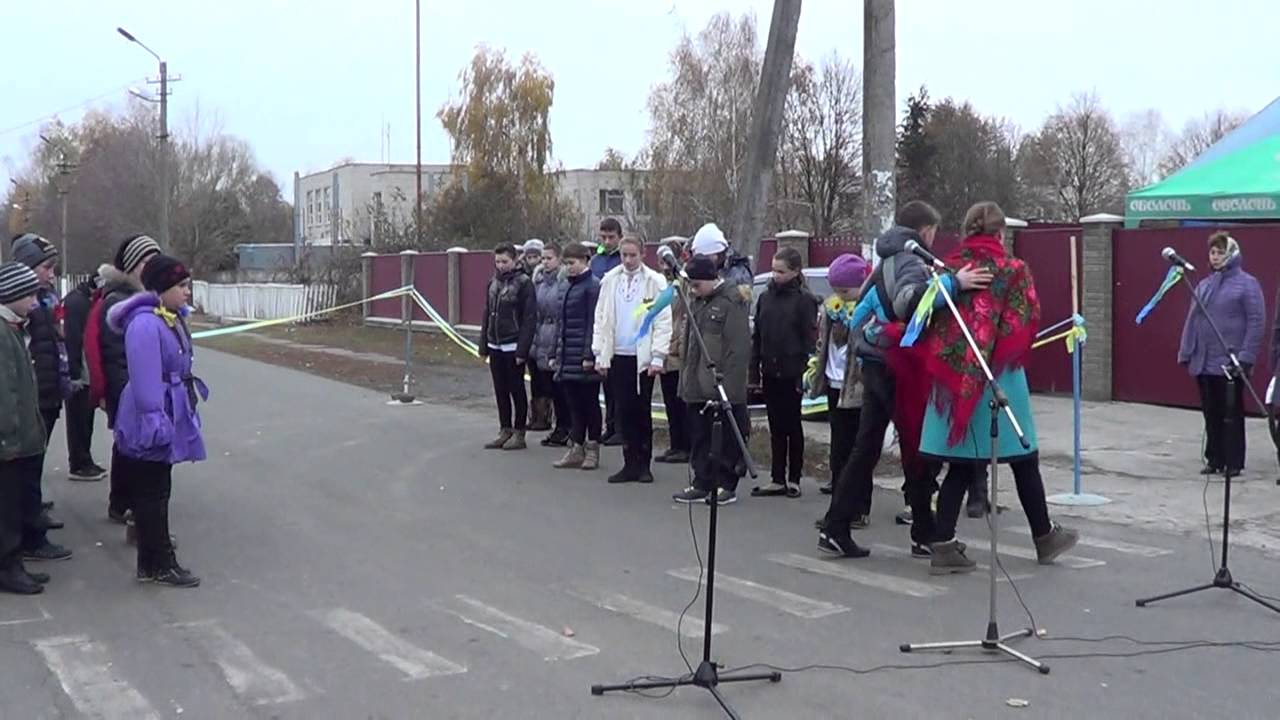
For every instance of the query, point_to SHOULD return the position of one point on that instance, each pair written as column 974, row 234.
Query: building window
column 612, row 202
column 310, row 215
column 377, row 202
column 640, row 201
column 327, row 208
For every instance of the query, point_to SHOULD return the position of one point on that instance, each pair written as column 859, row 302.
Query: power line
column 77, row 106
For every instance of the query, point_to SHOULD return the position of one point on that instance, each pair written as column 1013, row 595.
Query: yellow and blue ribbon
column 1171, row 279
column 652, row 308
column 1076, row 335
column 923, row 313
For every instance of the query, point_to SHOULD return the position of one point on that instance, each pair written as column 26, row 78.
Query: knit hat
column 133, row 251
column 162, row 273
column 16, row 282
column 847, row 271
column 531, row 246
column 709, row 240
column 32, row 250
column 701, row 267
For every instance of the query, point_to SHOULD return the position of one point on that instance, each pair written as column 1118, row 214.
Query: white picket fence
column 261, row 301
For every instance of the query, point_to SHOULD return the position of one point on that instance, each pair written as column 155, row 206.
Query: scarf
column 1003, row 319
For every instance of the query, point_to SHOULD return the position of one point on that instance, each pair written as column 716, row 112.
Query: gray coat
column 550, row 291
column 1234, row 300
column 726, row 328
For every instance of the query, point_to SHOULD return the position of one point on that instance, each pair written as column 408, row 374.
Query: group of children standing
column 118, row 342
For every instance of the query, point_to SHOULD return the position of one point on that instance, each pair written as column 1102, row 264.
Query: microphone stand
column 993, row 641
column 707, row 676
column 1234, row 374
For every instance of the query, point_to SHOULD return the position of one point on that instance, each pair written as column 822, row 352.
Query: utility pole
column 163, row 82
column 766, row 123
column 879, row 139
column 63, row 187
column 417, row 95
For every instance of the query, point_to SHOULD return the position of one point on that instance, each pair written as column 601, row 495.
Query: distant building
column 344, row 204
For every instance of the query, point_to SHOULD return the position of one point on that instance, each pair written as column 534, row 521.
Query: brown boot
column 499, row 442
column 572, row 458
column 515, row 442
column 591, row 456
column 540, row 415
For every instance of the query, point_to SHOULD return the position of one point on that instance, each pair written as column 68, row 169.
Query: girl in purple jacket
column 1233, row 298
column 157, row 425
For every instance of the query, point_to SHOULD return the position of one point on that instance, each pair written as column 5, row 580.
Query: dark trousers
column 1224, row 446
column 677, row 411
column 584, row 408
column 844, row 431
column 118, row 499
column 50, row 416
column 508, row 389
column 609, row 427
column 12, row 496
column 149, row 485
column 542, row 384
column 30, row 470
column 714, row 455
column 960, row 477
column 79, row 430
column 786, row 436
column 632, row 399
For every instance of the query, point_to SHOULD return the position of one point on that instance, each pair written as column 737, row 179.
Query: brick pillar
column 1011, row 228
column 1095, row 304
column 454, row 312
column 406, row 279
column 366, row 281
column 797, row 239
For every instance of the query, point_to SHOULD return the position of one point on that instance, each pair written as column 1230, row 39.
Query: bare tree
column 1145, row 139
column 1197, row 136
column 1074, row 166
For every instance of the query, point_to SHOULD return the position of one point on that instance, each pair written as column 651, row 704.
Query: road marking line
column 1072, row 561
column 413, row 661
column 924, row 562
column 621, row 604
column 44, row 615
column 250, row 677
column 788, row 602
column 550, row 644
column 84, row 671
column 869, row 578
column 1117, row 545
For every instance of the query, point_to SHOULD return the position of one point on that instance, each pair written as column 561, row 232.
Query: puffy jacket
column 726, row 329
column 549, row 288
column 21, row 428
column 510, row 313
column 603, row 262
column 737, row 272
column 76, row 307
column 48, row 351
column 898, row 293
column 575, row 328
column 117, row 286
column 1234, row 300
column 785, row 333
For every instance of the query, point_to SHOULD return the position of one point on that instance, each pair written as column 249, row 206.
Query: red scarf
column 1003, row 319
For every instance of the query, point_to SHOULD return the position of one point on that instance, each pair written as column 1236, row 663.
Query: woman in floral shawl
column 957, row 428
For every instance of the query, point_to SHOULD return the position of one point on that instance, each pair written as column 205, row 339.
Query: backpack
column 93, row 349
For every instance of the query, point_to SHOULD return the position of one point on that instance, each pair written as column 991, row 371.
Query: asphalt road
column 367, row 561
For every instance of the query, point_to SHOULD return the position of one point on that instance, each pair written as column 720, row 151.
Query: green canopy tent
column 1238, row 178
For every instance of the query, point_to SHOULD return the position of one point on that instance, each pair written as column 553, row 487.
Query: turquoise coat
column 976, row 444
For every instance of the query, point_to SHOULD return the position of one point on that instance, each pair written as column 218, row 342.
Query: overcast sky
column 308, row 82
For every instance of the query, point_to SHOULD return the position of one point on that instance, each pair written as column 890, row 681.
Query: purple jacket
column 1234, row 300
column 157, row 418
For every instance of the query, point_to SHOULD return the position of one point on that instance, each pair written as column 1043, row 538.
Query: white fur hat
column 709, row 240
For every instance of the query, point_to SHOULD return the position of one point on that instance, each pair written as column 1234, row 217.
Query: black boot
column 14, row 580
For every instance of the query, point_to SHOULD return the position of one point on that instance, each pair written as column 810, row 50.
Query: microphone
column 668, row 258
column 1174, row 258
column 919, row 251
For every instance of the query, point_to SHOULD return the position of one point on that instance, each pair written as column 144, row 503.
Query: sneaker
column 827, row 488
column 920, row 550
column 724, row 496
column 949, row 559
column 88, row 473
column 573, row 458
column 903, row 518
column 773, row 489
column 173, row 576
column 591, row 456
column 119, row 517
column 860, row 522
column 691, row 495
column 38, row 577
column 1052, row 545
column 516, row 441
column 842, row 546
column 47, row 552
column 15, row 581
column 501, row 440
column 613, row 440
column 793, row 490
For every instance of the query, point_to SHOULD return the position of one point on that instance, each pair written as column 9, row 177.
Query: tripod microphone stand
column 993, row 641
column 707, row 675
column 1234, row 374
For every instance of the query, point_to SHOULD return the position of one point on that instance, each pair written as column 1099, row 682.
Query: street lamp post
column 163, row 136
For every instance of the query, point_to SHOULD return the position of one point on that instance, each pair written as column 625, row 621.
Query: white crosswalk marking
column 1120, row 546
column 630, row 607
column 896, row 551
column 84, row 671
column 548, row 643
column 406, row 657
column 1072, row 561
column 869, row 578
column 250, row 677
column 788, row 602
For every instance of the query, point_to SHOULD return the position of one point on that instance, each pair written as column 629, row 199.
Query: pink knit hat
column 847, row 271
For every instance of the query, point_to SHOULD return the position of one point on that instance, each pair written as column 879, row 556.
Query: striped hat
column 133, row 251
column 16, row 282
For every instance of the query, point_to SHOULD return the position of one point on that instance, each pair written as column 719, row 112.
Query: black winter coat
column 577, row 325
column 48, row 351
column 786, row 332
column 76, row 306
column 510, row 313
column 115, row 363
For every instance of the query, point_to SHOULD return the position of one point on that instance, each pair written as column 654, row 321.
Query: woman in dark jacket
column 783, row 339
column 506, row 337
column 1233, row 298
column 549, row 284
column 575, row 361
